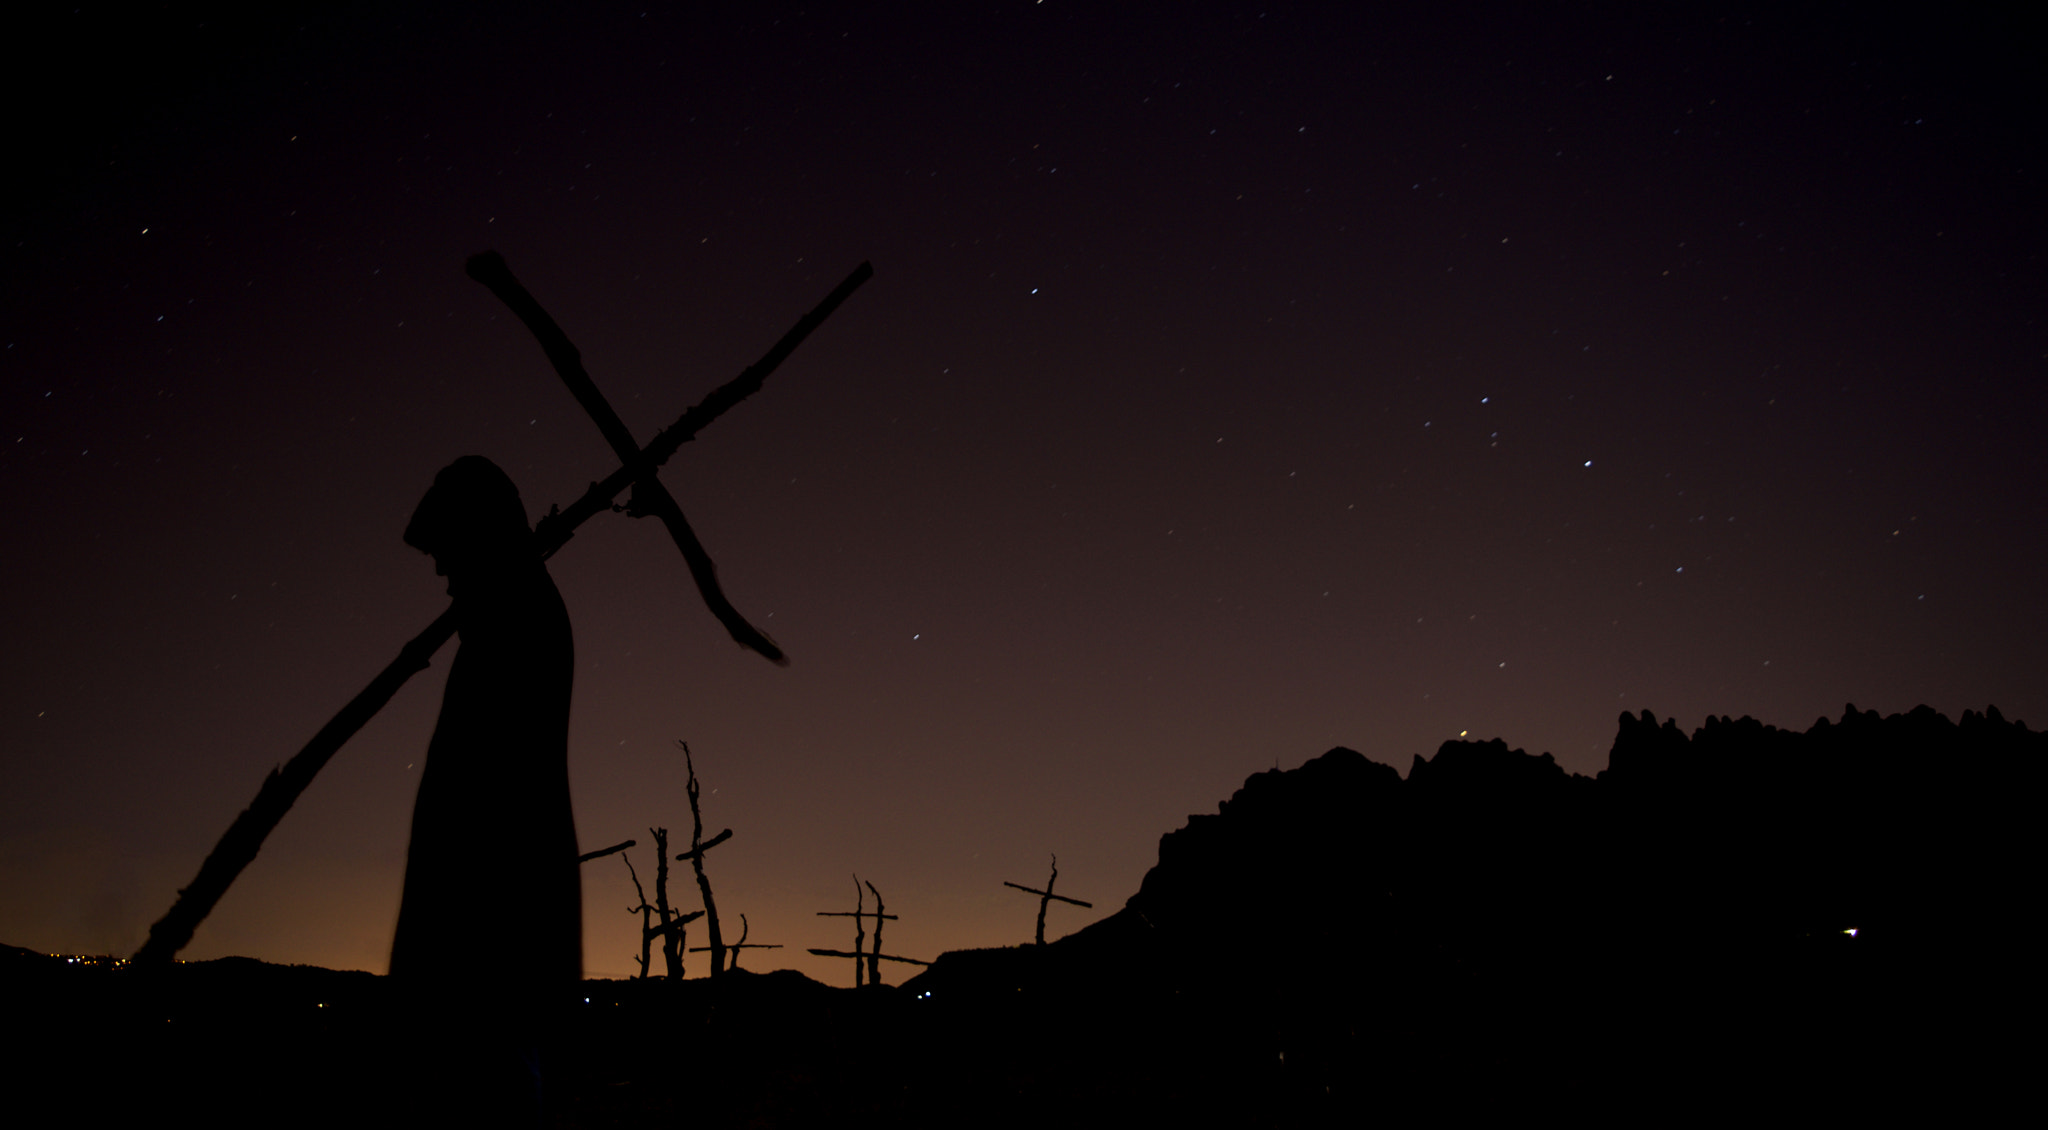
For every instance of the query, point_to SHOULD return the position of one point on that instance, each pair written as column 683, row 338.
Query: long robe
column 492, row 899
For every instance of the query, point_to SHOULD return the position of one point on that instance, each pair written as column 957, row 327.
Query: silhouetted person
column 490, row 935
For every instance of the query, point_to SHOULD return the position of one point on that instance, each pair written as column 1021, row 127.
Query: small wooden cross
column 871, row 959
column 1046, row 896
column 734, row 948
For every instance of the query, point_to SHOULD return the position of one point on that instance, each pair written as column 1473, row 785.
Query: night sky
column 1237, row 380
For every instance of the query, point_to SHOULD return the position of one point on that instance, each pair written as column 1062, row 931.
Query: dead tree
column 696, row 857
column 619, row 849
column 875, row 955
column 860, row 936
column 671, row 960
column 863, row 959
column 672, row 921
column 646, row 912
column 672, row 935
column 1046, row 896
column 670, row 928
column 661, row 920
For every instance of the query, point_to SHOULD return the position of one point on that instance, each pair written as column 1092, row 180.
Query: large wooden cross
column 244, row 838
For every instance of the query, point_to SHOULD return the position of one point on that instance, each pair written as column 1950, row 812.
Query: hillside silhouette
column 1492, row 932
column 1823, row 922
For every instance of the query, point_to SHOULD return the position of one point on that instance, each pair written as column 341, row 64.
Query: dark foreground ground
column 1744, row 924
column 1824, row 1028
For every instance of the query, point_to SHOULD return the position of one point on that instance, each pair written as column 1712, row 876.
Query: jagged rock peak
column 1488, row 766
column 1339, row 773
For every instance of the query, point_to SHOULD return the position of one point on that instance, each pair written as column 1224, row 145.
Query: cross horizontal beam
column 870, row 956
column 707, row 845
column 554, row 531
column 600, row 853
column 675, row 925
column 1047, row 894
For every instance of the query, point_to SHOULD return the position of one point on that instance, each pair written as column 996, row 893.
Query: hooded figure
column 492, row 908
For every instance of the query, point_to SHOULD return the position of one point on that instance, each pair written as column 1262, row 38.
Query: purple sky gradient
column 1237, row 380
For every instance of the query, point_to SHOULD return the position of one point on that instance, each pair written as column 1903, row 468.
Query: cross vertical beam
column 1046, row 896
column 695, row 855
